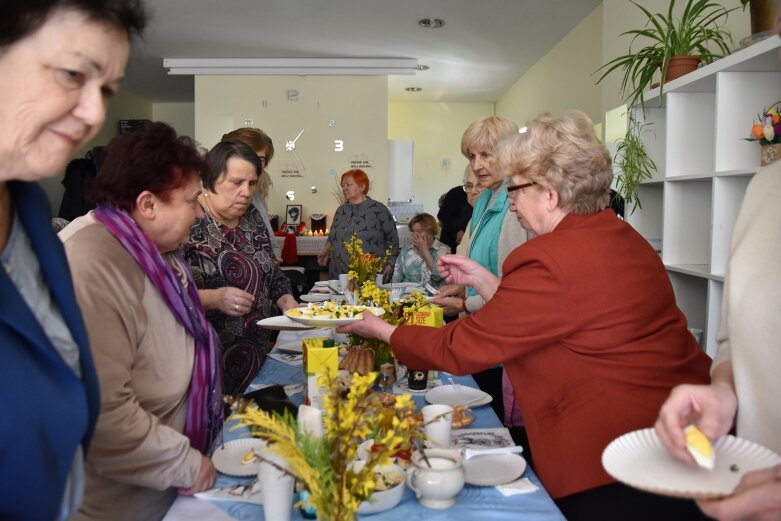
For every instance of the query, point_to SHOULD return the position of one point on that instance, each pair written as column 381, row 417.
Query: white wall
column 181, row 116
column 436, row 129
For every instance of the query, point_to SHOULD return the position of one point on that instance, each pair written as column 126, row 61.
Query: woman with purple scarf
column 156, row 356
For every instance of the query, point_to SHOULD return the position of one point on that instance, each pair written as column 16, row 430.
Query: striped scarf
column 204, row 407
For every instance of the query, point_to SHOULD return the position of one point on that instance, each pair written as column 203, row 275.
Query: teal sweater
column 485, row 228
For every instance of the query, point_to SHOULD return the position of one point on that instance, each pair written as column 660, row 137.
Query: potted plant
column 698, row 35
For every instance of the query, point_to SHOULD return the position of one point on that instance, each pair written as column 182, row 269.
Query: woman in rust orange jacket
column 597, row 341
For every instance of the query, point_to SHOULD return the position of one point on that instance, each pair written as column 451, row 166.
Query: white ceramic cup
column 378, row 280
column 343, row 281
column 437, row 420
column 437, row 486
column 276, row 487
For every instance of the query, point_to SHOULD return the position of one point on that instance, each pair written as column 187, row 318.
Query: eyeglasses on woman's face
column 513, row 188
column 470, row 187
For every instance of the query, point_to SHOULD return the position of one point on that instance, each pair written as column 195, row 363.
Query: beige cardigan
column 750, row 325
column 144, row 359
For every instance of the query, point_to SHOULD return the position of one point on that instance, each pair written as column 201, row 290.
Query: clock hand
column 298, row 136
column 299, row 159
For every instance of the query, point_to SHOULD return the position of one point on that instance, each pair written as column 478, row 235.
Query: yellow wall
column 436, row 129
column 351, row 109
column 561, row 79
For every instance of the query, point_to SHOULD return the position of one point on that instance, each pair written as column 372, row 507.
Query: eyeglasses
column 512, row 188
column 469, row 187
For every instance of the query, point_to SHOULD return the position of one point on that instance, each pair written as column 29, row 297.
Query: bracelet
column 463, row 303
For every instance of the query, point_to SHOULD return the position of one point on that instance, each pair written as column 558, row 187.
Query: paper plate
column 227, row 458
column 493, row 469
column 281, row 323
column 453, row 395
column 295, row 314
column 640, row 460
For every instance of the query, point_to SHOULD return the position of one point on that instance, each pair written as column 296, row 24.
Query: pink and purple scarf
column 204, row 407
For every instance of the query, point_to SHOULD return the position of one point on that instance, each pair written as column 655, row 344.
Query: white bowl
column 383, row 500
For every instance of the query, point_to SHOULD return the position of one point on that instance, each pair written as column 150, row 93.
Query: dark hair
column 20, row 18
column 218, row 157
column 152, row 158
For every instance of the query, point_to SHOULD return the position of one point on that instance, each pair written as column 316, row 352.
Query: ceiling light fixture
column 413, row 89
column 431, row 23
column 294, row 66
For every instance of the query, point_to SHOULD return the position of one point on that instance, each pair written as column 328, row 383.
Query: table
column 484, row 503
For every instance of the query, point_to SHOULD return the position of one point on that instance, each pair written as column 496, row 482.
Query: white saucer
column 281, row 323
column 493, row 469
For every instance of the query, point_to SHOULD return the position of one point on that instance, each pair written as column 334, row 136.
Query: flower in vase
column 323, row 464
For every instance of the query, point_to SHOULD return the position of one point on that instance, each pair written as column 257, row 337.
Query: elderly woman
column 473, row 190
column 361, row 215
column 60, row 60
column 155, row 353
column 233, row 263
column 418, row 261
column 599, row 342
column 263, row 146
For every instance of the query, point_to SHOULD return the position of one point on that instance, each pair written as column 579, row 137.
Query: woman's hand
column 757, row 497
column 710, row 407
column 207, row 475
column 450, row 305
column 322, row 258
column 387, row 273
column 451, row 290
column 370, row 326
column 232, row 301
column 419, row 241
column 457, row 269
column 286, row 302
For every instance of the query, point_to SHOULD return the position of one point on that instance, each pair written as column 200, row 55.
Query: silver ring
column 236, row 307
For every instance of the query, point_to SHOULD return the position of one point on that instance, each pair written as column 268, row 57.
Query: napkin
column 248, row 494
column 520, row 486
column 287, row 358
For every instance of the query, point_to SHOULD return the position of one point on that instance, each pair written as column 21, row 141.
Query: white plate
column 493, row 469
column 290, row 347
column 321, row 297
column 227, row 458
column 321, row 283
column 640, row 460
column 281, row 323
column 458, row 395
column 327, row 322
column 315, row 297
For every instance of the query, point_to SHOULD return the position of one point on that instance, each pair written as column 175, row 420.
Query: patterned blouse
column 410, row 266
column 372, row 222
column 242, row 257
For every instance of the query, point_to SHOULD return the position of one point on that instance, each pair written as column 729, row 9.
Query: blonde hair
column 257, row 141
column 485, row 133
column 563, row 154
column 427, row 222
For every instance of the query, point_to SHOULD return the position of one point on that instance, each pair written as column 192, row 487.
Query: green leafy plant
column 699, row 31
column 633, row 161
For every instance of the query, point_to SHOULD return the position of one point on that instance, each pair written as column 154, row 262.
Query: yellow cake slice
column 700, row 447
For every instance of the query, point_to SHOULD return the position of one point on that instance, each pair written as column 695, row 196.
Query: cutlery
column 431, row 289
column 471, row 453
column 419, row 447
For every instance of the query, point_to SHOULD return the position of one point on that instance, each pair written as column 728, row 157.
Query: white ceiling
column 483, row 48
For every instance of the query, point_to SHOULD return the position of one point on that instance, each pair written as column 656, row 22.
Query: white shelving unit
column 704, row 166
